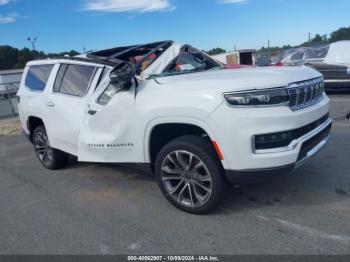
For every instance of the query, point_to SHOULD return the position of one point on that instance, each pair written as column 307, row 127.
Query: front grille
column 305, row 93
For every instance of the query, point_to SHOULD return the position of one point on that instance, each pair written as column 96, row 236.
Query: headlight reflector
column 258, row 98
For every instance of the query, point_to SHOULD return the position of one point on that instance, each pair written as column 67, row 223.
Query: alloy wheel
column 186, row 178
column 42, row 148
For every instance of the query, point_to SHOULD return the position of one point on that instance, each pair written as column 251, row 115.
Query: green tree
column 8, row 57
column 26, row 55
column 318, row 39
column 11, row 58
column 340, row 34
column 216, row 51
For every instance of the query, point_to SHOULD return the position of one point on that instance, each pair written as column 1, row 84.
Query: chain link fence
column 8, row 100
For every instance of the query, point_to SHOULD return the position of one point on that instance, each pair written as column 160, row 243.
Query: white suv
column 196, row 124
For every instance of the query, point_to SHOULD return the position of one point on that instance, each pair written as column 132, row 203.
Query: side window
column 73, row 79
column 189, row 62
column 37, row 77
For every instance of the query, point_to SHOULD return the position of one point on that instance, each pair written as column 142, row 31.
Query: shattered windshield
column 190, row 60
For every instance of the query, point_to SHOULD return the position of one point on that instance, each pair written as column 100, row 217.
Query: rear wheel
column 49, row 157
column 190, row 175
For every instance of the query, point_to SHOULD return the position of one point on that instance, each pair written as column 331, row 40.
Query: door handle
column 92, row 112
column 50, row 104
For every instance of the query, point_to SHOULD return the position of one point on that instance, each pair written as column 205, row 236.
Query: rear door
column 67, row 103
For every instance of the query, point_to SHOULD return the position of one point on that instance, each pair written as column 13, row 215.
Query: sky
column 61, row 25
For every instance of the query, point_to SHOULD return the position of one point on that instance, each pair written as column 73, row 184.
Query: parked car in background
column 174, row 109
column 335, row 67
column 299, row 56
column 332, row 61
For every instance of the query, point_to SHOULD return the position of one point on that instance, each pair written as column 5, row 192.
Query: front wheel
column 190, row 175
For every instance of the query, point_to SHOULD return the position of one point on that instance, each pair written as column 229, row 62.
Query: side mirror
column 123, row 73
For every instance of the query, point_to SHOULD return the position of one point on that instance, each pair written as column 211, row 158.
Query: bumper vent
column 282, row 139
column 305, row 93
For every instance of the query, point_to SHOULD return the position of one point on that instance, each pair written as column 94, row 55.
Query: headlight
column 258, row 98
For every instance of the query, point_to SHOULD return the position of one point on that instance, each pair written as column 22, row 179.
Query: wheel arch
column 177, row 127
column 32, row 123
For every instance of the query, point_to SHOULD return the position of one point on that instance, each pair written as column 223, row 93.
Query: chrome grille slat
column 305, row 93
column 301, row 92
column 308, row 94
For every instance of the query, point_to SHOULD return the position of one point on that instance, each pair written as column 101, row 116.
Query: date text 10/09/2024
column 172, row 258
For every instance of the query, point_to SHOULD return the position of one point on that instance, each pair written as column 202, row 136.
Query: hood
column 241, row 79
column 236, row 66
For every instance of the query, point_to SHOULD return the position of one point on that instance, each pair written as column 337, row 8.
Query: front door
column 110, row 129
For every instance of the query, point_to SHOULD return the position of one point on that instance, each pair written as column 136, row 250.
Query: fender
column 174, row 120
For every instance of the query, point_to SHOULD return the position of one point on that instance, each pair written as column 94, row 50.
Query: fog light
column 273, row 140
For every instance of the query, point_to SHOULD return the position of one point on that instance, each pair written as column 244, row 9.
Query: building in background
column 241, row 57
column 9, row 81
column 9, row 85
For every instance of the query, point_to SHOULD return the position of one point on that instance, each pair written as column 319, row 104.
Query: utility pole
column 268, row 44
column 32, row 41
column 309, row 38
column 84, row 49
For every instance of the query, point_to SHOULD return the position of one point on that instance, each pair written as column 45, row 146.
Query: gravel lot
column 109, row 209
column 5, row 108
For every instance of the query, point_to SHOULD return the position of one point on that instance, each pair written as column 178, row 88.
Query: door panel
column 110, row 133
column 65, row 115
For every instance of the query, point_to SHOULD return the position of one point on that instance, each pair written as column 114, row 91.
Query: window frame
column 73, row 64
column 47, row 81
column 179, row 56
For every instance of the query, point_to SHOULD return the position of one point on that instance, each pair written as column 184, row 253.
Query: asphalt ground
column 109, row 209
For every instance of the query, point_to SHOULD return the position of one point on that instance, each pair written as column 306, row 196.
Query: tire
column 190, row 175
column 49, row 157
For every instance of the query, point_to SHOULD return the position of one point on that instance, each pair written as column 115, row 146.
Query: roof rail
column 98, row 60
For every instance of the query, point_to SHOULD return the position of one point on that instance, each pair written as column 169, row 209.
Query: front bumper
column 236, row 128
column 310, row 147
